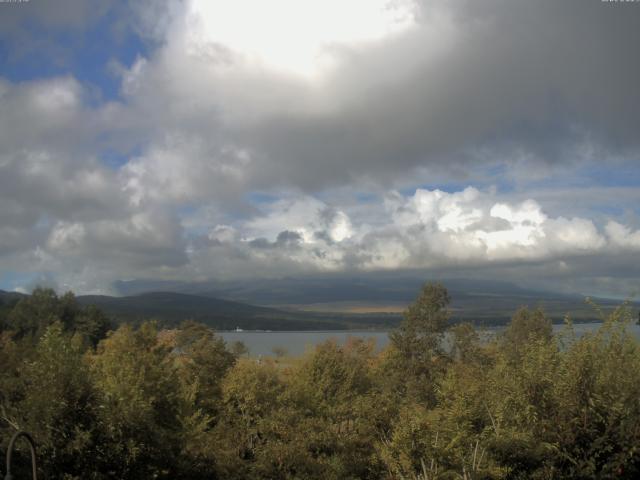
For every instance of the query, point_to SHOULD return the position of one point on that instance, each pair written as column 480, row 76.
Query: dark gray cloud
column 530, row 90
column 552, row 82
column 471, row 86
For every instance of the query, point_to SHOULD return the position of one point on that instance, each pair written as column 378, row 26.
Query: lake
column 295, row 343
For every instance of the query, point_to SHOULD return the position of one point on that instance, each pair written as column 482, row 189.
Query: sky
column 212, row 140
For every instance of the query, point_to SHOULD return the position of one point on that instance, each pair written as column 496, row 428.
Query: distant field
column 347, row 307
column 479, row 309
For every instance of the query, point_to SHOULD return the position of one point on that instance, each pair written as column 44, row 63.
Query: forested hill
column 327, row 309
column 172, row 308
column 482, row 302
column 7, row 298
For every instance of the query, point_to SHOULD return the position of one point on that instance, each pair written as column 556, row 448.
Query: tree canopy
column 441, row 401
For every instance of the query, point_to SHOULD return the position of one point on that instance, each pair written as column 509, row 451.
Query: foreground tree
column 417, row 355
column 526, row 326
column 597, row 425
column 177, row 404
column 138, row 400
column 51, row 397
column 32, row 315
column 204, row 360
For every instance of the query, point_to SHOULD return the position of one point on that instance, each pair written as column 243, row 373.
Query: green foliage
column 204, row 361
column 526, row 326
column 465, row 343
column 439, row 403
column 312, row 420
column 33, row 314
column 51, row 396
column 417, row 359
column 598, row 387
column 425, row 322
column 7, row 304
column 137, row 401
column 239, row 349
column 251, row 394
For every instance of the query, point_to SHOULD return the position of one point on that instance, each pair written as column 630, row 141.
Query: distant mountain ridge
column 481, row 302
column 323, row 303
column 8, row 297
column 305, row 290
column 171, row 308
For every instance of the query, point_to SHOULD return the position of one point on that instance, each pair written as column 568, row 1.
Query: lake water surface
column 295, row 343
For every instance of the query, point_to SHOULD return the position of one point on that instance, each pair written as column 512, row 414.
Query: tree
column 425, row 322
column 597, row 425
column 417, row 354
column 91, row 325
column 526, row 326
column 53, row 399
column 239, row 349
column 138, row 399
column 251, row 393
column 204, row 360
column 465, row 343
column 33, row 314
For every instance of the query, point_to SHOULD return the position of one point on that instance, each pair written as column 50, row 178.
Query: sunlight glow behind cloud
column 294, row 36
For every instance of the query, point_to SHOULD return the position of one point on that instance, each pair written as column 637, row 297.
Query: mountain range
column 325, row 303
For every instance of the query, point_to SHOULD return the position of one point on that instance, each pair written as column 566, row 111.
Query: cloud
column 622, row 236
column 429, row 229
column 457, row 86
column 348, row 132
column 309, row 217
column 62, row 211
